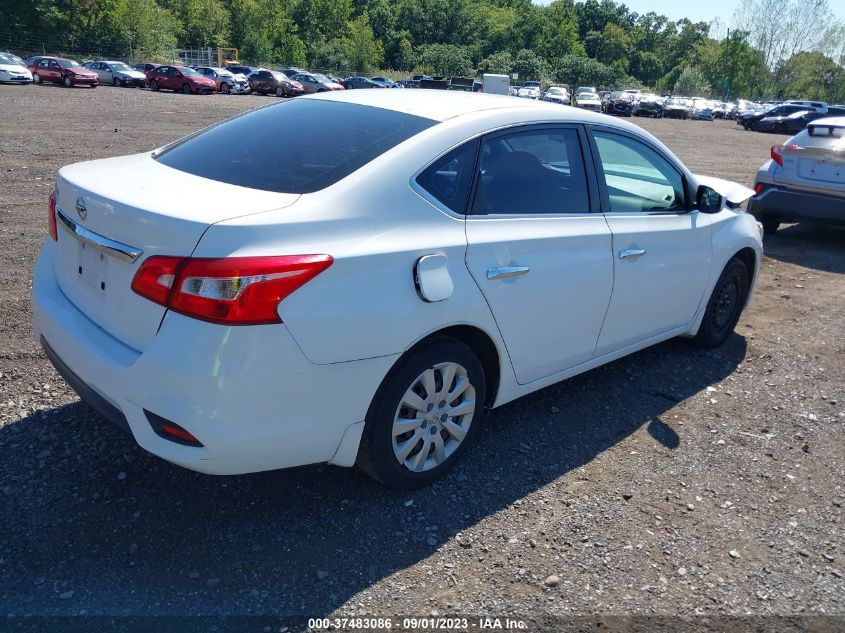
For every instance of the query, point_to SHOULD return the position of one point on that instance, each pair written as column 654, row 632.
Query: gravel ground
column 675, row 481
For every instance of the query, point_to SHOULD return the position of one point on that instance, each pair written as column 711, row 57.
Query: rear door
column 537, row 250
column 661, row 247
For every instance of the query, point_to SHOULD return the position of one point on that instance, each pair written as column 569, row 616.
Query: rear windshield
column 298, row 146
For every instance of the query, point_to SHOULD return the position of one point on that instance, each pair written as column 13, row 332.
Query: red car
column 179, row 79
column 59, row 70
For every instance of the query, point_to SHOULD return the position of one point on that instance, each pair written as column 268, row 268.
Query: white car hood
column 135, row 74
column 733, row 192
column 15, row 68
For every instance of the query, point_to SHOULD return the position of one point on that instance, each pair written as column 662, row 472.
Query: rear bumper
column 791, row 205
column 247, row 393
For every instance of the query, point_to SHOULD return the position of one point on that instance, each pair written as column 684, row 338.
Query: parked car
column 384, row 82
column 648, row 105
column 225, row 81
column 315, row 82
column 267, row 82
column 702, row 109
column 58, row 70
column 787, row 123
column 557, row 94
column 285, row 312
column 179, row 79
column 117, row 74
column 241, row 69
column 529, row 90
column 13, row 69
column 292, row 71
column 145, row 67
column 619, row 103
column 586, row 89
column 677, row 108
column 588, row 101
column 352, row 83
column 749, row 119
column 804, row 180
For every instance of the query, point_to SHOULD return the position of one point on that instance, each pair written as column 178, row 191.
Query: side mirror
column 709, row 200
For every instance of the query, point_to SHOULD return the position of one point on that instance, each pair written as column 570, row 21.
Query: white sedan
column 13, row 69
column 360, row 291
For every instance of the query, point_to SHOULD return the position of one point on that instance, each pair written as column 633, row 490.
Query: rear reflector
column 170, row 430
column 54, row 231
column 777, row 154
column 758, row 188
column 230, row 290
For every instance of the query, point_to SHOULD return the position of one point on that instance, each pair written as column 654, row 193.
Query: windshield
column 278, row 76
column 8, row 58
column 188, row 72
column 322, row 78
column 323, row 142
column 69, row 63
column 120, row 66
column 531, row 84
column 556, row 91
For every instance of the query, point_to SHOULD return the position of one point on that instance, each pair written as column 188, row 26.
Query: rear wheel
column 424, row 415
column 186, row 89
column 153, row 85
column 725, row 305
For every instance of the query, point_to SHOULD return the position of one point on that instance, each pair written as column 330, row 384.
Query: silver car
column 805, row 178
column 117, row 74
column 225, row 80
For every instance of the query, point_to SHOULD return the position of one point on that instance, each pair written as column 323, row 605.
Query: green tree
column 366, row 53
column 204, row 22
column 809, row 75
column 498, row 63
column 447, row 60
column 333, row 55
column 692, row 83
column 576, row 70
column 530, row 66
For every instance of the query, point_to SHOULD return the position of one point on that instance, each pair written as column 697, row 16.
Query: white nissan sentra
column 353, row 278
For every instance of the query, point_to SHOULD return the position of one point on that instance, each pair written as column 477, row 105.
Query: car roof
column 441, row 105
column 836, row 121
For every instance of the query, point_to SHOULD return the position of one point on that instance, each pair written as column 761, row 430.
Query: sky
column 701, row 11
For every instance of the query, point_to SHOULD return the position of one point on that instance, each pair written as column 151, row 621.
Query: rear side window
column 449, row 178
column 297, row 146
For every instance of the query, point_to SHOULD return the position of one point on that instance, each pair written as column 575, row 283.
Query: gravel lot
column 675, row 481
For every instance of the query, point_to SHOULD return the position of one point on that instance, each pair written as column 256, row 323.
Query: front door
column 661, row 246
column 537, row 249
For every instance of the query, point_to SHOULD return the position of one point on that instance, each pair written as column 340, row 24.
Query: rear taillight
column 230, row 290
column 758, row 188
column 777, row 154
column 51, row 218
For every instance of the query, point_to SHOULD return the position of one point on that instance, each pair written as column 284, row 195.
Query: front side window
column 449, row 179
column 538, row 171
column 637, row 177
column 293, row 147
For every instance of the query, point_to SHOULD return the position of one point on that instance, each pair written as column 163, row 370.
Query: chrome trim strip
column 111, row 247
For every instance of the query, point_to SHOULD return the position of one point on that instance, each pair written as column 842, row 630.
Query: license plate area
column 823, row 170
column 92, row 267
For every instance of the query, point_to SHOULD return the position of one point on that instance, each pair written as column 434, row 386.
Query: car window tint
column 637, row 177
column 449, row 178
column 293, row 147
column 539, row 171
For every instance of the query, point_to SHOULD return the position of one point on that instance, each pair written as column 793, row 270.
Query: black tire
column 725, row 305
column 280, row 92
column 186, row 89
column 115, row 82
column 225, row 88
column 153, row 85
column 770, row 225
column 376, row 455
column 36, row 78
column 67, row 82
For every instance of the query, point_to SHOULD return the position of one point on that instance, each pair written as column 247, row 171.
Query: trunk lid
column 815, row 157
column 134, row 203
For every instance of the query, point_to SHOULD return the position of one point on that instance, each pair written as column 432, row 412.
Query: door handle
column 506, row 272
column 631, row 252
